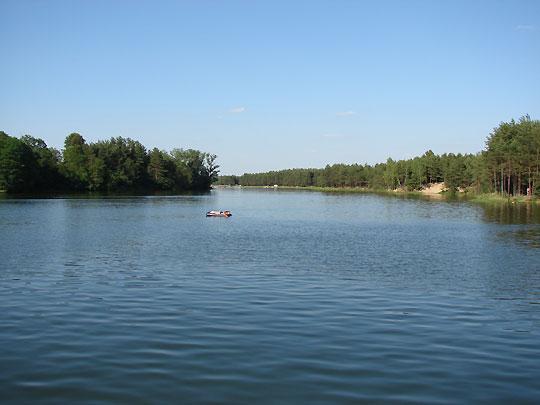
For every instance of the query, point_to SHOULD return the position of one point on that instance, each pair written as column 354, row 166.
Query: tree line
column 119, row 164
column 510, row 165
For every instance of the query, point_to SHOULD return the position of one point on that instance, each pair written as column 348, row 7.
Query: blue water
column 300, row 298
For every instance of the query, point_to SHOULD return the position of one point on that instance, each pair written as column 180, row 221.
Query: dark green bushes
column 118, row 164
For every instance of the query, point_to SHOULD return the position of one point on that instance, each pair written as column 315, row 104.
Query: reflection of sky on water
column 446, row 286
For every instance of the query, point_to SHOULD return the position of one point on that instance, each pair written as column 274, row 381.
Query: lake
column 299, row 297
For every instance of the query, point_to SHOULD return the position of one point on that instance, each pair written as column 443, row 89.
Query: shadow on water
column 523, row 221
column 99, row 196
column 529, row 237
column 512, row 214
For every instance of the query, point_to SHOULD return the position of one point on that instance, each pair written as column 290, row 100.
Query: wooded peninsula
column 119, row 164
column 509, row 165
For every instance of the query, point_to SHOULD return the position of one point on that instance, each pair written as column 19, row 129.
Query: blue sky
column 273, row 84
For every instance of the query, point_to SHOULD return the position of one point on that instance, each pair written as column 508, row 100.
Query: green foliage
column 120, row 164
column 230, row 180
column 75, row 161
column 512, row 156
column 117, row 164
column 162, row 170
column 47, row 160
column 17, row 164
column 510, row 165
column 412, row 174
column 195, row 167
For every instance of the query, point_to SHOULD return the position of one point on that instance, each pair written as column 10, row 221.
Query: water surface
column 300, row 297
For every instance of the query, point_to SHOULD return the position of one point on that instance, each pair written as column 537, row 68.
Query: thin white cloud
column 345, row 113
column 525, row 27
column 237, row 110
column 333, row 135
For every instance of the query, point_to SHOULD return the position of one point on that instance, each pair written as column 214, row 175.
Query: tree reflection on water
column 524, row 220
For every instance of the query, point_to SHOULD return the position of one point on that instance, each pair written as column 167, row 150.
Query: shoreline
column 430, row 193
column 482, row 198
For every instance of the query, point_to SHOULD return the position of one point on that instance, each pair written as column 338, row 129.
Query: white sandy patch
column 435, row 188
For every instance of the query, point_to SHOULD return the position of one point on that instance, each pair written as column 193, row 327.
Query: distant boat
column 224, row 214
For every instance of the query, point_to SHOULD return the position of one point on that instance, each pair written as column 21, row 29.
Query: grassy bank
column 493, row 198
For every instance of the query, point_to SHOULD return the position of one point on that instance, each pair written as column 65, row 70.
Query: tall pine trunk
column 508, row 178
column 529, row 190
column 502, row 180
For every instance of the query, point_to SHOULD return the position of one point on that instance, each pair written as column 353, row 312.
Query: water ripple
column 378, row 300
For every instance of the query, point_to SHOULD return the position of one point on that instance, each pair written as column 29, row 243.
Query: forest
column 28, row 165
column 509, row 165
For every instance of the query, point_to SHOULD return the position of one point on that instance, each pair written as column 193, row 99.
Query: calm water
column 300, row 297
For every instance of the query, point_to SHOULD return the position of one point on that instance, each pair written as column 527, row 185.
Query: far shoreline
column 427, row 194
column 464, row 195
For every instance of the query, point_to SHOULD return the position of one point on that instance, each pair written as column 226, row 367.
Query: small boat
column 224, row 214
